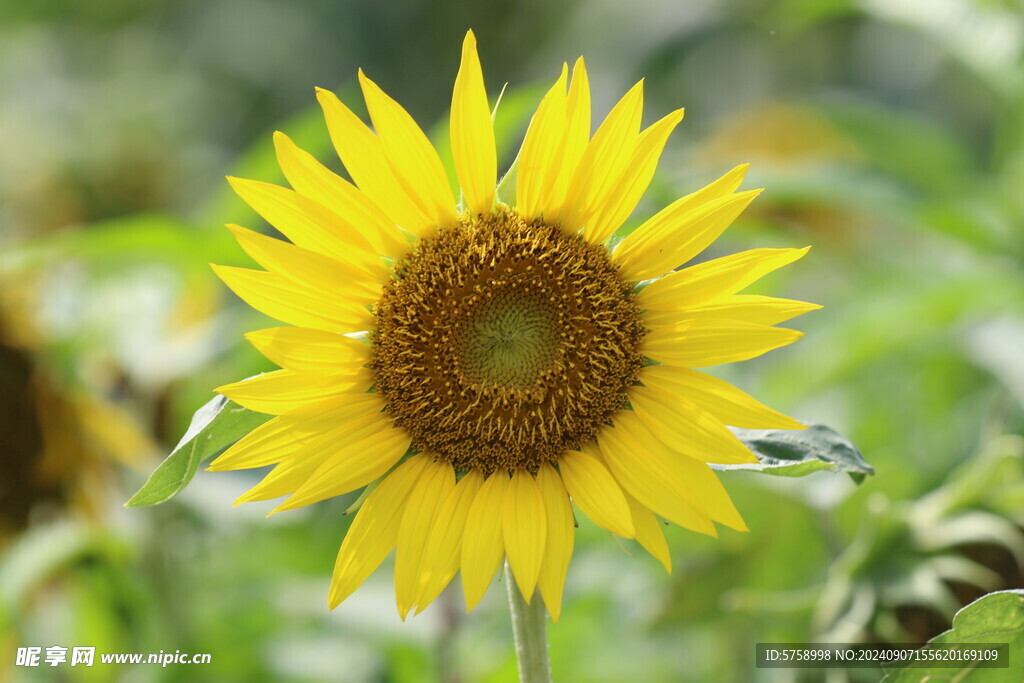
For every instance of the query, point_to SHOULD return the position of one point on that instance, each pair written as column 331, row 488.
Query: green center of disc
column 509, row 340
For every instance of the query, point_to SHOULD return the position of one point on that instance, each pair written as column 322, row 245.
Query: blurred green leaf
column 441, row 138
column 259, row 162
column 796, row 453
column 36, row 556
column 913, row 149
column 214, row 427
column 994, row 618
column 129, row 240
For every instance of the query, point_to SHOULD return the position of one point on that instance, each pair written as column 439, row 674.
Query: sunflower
column 481, row 366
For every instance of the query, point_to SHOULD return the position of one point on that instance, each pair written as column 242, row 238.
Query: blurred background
column 889, row 135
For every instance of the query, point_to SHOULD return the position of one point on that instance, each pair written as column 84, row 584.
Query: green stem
column 528, row 627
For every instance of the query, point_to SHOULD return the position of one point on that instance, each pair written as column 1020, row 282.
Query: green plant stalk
column 528, row 628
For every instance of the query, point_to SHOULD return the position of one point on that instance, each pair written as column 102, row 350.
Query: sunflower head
column 487, row 363
column 503, row 342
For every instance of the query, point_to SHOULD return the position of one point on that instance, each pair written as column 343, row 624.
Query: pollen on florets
column 502, row 342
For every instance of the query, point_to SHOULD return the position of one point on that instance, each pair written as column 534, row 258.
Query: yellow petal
column 305, row 440
column 691, row 480
column 314, row 180
column 472, row 133
column 596, row 492
column 560, row 539
column 702, row 342
column 648, row 475
column 317, row 447
column 647, row 525
column 424, row 504
column 293, row 303
column 250, row 448
column 307, row 350
column 365, row 160
column 308, row 268
column 727, row 403
column 751, row 308
column 374, row 530
column 717, row 190
column 297, row 465
column 683, row 229
column 524, row 527
column 609, row 211
column 286, row 476
column 685, row 427
column 482, row 542
column 444, row 544
column 282, row 391
column 576, row 137
column 413, row 159
column 310, row 225
column 702, row 485
column 606, row 157
column 711, row 279
column 539, row 160
column 289, row 435
column 685, row 236
column 591, row 448
column 561, row 133
column 352, row 463
column 649, row 533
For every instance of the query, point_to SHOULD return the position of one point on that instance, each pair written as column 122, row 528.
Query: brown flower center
column 502, row 342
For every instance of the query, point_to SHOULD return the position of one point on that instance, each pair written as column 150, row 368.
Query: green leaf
column 126, row 241
column 994, row 618
column 259, row 162
column 910, row 148
column 214, row 427
column 36, row 555
column 796, row 453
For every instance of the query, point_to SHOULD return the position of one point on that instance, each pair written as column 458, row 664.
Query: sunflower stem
column 528, row 627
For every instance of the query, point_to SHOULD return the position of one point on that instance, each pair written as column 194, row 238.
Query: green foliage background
column 889, row 135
